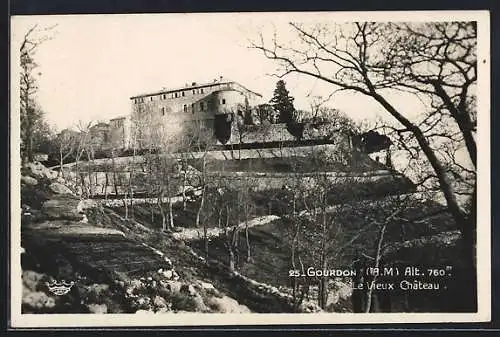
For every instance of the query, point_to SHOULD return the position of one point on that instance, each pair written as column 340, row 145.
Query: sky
column 94, row 63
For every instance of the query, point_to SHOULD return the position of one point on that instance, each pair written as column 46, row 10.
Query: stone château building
column 155, row 115
column 164, row 113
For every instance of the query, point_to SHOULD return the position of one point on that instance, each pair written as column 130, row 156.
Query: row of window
column 183, row 93
column 171, row 95
column 203, row 107
column 178, row 94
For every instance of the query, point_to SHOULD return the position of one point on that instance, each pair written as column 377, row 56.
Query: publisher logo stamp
column 60, row 288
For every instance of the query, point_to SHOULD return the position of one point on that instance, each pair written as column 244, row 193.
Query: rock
column 170, row 287
column 134, row 287
column 31, row 279
column 141, row 311
column 227, row 305
column 38, row 300
column 29, row 180
column 60, row 180
column 206, row 285
column 136, row 283
column 97, row 290
column 310, row 307
column 97, row 308
column 64, row 228
column 85, row 204
column 199, row 304
column 37, row 170
column 168, row 274
column 62, row 208
column 160, row 303
column 59, row 188
column 143, row 302
column 188, row 290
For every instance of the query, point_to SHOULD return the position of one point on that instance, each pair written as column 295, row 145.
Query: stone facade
column 99, row 136
column 119, row 132
column 166, row 112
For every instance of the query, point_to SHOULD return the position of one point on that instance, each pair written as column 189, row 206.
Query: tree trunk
column 125, row 204
column 323, row 291
column 106, row 184
column 198, row 212
column 170, row 209
column 461, row 117
column 230, row 242
column 205, row 238
column 467, row 228
column 184, row 181
column 247, row 238
column 162, row 212
column 294, row 266
column 369, row 294
column 60, row 164
column 231, row 258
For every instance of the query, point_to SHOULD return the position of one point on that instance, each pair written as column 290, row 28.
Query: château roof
column 194, row 85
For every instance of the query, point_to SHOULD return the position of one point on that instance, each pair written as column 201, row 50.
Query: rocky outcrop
column 29, row 180
column 62, row 229
column 111, row 272
column 259, row 297
column 157, row 294
column 59, row 188
column 62, row 208
column 38, row 171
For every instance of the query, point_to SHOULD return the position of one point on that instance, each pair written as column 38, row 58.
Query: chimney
column 193, row 84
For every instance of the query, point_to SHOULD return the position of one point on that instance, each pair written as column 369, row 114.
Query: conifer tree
column 282, row 102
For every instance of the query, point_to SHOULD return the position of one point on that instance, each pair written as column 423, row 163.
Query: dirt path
column 197, row 233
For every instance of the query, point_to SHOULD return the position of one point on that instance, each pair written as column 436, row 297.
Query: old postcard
column 250, row 168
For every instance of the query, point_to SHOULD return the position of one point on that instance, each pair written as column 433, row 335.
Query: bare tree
column 31, row 114
column 83, row 139
column 435, row 62
column 226, row 212
column 66, row 145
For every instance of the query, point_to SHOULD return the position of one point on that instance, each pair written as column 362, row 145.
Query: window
column 223, row 101
column 201, row 90
column 194, row 91
column 202, row 106
column 176, row 95
column 192, row 107
column 183, row 93
column 163, row 111
column 164, row 96
column 185, row 108
column 151, row 98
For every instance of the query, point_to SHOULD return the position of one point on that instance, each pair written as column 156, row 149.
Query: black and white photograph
column 250, row 168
